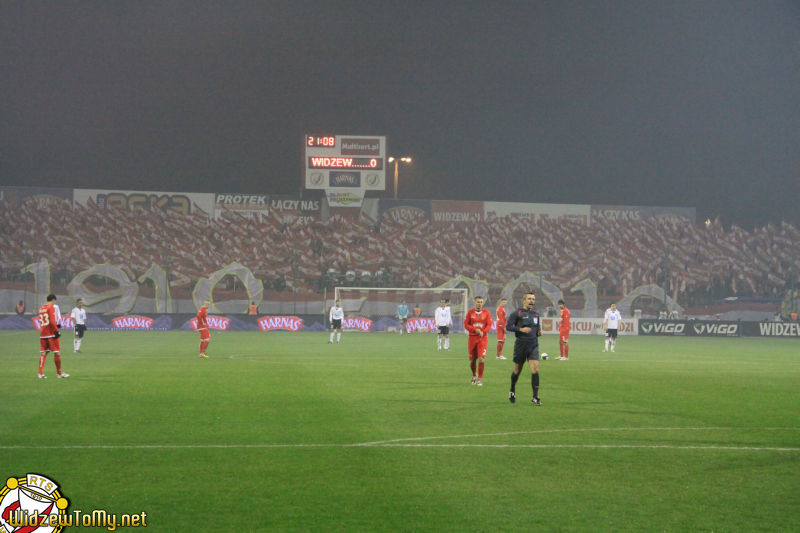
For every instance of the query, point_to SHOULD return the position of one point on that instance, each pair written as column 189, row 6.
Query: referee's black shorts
column 526, row 350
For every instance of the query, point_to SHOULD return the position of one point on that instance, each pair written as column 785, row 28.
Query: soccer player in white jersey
column 611, row 323
column 78, row 315
column 443, row 321
column 336, row 317
column 58, row 315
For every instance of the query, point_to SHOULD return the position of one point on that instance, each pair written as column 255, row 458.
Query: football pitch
column 283, row 432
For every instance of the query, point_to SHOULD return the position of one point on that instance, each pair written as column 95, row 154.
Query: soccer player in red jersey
column 49, row 336
column 501, row 327
column 563, row 331
column 202, row 327
column 478, row 322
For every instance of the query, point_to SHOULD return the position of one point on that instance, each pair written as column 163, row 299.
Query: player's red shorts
column 477, row 346
column 50, row 344
column 563, row 335
column 205, row 334
column 501, row 332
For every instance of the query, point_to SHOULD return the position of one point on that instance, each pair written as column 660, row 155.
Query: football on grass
column 544, row 356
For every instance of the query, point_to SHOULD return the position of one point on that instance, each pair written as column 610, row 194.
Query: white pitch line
column 169, row 446
column 413, row 442
column 576, row 430
column 593, row 446
column 391, row 445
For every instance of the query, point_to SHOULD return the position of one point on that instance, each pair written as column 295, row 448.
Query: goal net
column 375, row 308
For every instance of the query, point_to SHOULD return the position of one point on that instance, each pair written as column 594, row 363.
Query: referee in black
column 526, row 325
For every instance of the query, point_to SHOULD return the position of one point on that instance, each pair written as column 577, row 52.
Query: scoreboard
column 345, row 161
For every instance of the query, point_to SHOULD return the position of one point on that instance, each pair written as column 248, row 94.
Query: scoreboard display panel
column 351, row 161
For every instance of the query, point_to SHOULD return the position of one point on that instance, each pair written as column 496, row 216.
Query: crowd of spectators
column 697, row 263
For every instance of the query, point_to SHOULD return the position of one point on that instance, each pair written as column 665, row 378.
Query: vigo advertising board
column 690, row 328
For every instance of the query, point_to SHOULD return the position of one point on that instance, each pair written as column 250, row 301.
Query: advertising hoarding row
column 579, row 326
column 719, row 328
column 438, row 212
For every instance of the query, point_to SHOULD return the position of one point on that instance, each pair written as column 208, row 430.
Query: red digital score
column 332, row 163
column 327, row 141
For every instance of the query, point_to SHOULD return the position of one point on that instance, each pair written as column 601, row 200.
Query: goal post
column 379, row 305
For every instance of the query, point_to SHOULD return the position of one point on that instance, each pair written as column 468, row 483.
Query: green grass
column 283, row 432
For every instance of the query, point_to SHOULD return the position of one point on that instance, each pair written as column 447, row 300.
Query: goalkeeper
column 402, row 315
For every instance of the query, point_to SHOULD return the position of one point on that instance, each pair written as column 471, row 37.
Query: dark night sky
column 686, row 103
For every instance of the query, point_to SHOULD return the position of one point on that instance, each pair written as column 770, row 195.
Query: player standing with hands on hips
column 336, row 316
column 611, row 323
column 478, row 322
column 525, row 324
column 78, row 315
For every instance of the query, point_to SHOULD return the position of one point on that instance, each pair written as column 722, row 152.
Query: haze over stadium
column 267, row 349
column 645, row 103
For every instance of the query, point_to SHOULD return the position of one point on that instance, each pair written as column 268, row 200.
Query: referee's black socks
column 514, row 378
column 535, row 384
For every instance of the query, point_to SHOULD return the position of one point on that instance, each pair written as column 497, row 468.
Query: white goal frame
column 463, row 290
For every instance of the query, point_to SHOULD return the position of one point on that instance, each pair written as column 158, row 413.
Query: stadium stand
column 699, row 263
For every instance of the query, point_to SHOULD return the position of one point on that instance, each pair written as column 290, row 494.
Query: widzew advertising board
column 787, row 330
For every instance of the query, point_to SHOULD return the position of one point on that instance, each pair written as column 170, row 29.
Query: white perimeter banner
column 589, row 326
column 538, row 211
column 173, row 201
